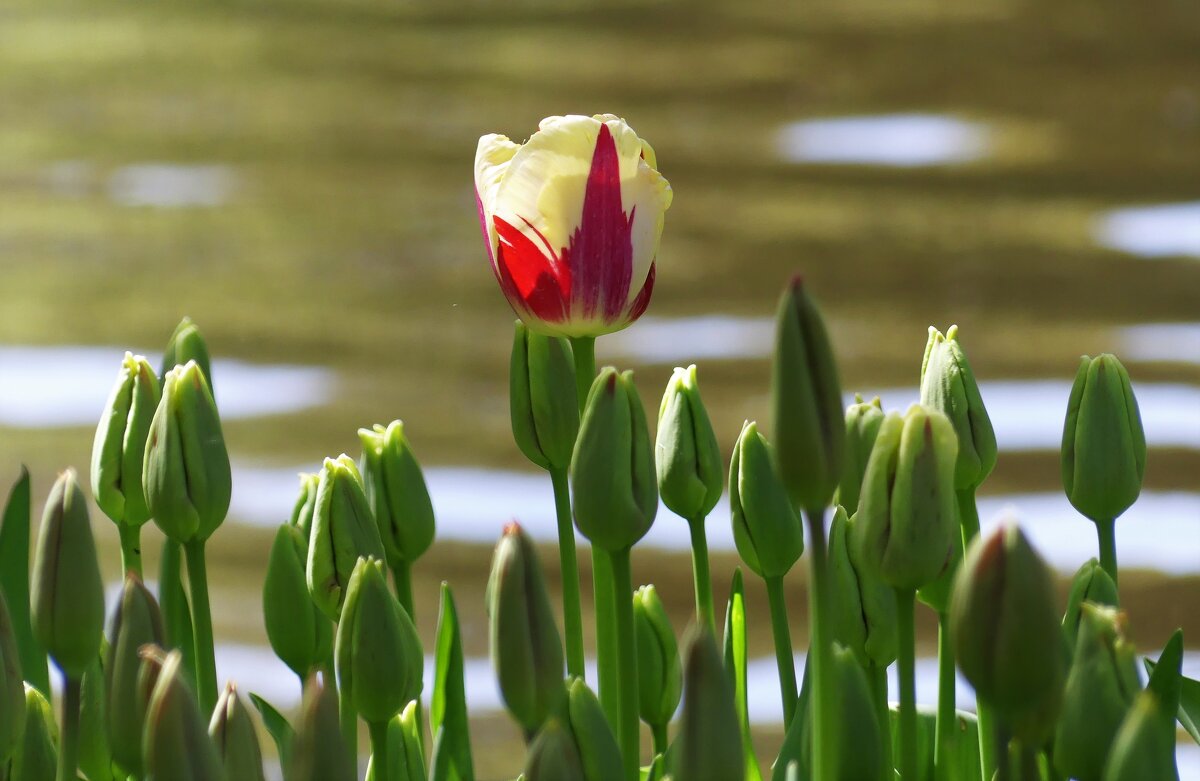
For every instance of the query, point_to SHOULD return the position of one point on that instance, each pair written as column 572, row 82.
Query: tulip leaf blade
column 1163, row 681
column 14, row 582
column 278, row 728
column 964, row 749
column 735, row 664
column 797, row 743
column 451, row 759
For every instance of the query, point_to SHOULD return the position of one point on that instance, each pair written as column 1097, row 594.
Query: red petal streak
column 528, row 277
column 638, row 307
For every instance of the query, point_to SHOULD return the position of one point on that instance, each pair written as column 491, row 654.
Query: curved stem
column 629, row 734
column 946, row 715
column 131, row 548
column 908, row 687
column 784, row 657
column 877, row 677
column 701, row 577
column 68, row 755
column 1106, row 530
column 569, row 567
column 379, row 750
column 206, row 662
column 968, row 515
column 583, row 349
column 824, row 725
column 402, row 575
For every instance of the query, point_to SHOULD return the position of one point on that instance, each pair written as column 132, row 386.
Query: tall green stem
column 569, row 567
column 968, row 514
column 784, row 657
column 131, row 548
column 906, row 668
column 946, row 714
column 659, row 731
column 820, row 638
column 68, row 754
column 583, row 349
column 701, row 578
column 379, row 750
column 177, row 614
column 629, row 732
column 349, row 723
column 1106, row 530
column 877, row 677
column 206, row 661
column 607, row 670
column 402, row 575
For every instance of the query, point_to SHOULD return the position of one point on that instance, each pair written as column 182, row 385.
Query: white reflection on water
column 1160, row 532
column 666, row 340
column 48, row 387
column 1161, row 231
column 1164, row 342
column 171, row 185
column 897, row 140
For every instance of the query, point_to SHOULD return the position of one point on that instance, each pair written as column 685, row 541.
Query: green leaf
column 964, row 748
column 14, row 582
column 177, row 615
column 1188, row 689
column 451, row 759
column 655, row 771
column 279, row 729
column 95, row 757
column 797, row 743
column 735, row 664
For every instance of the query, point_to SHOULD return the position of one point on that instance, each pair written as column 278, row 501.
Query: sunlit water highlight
column 895, row 140
column 1161, row 342
column 171, row 185
column 49, row 387
column 1161, row 231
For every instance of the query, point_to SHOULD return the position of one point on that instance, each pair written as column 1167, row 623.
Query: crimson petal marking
column 528, row 277
column 642, row 300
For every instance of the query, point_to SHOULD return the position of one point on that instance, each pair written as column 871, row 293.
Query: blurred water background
column 296, row 176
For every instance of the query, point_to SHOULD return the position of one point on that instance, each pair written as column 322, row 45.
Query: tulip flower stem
column 784, row 657
column 701, row 577
column 583, row 349
column 946, row 714
column 569, row 566
column 68, row 755
column 131, row 548
column 206, row 663
column 968, row 515
column 820, row 636
column 659, row 732
column 606, row 638
column 877, row 677
column 349, row 722
column 1106, row 530
column 629, row 732
column 402, row 577
column 379, row 747
column 906, row 670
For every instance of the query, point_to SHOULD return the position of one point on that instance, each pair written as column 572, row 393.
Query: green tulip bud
column 152, row 657
column 948, row 385
column 67, row 593
column 1091, row 583
column 907, row 520
column 12, row 688
column 176, row 746
column 36, row 757
column 1101, row 687
column 542, row 398
column 186, row 344
column 688, row 459
column 299, row 633
column 863, row 419
column 1144, row 747
column 318, row 752
column 937, row 594
column 706, row 748
column 766, row 529
column 343, row 530
column 1005, row 632
column 404, row 756
column 135, row 623
column 553, row 755
column 1104, row 447
column 120, row 445
column 806, row 399
column 232, row 730
column 377, row 651
column 599, row 754
column 186, row 472
column 860, row 737
column 660, row 673
column 612, row 469
column 396, row 491
column 306, row 504
column 526, row 650
column 865, row 610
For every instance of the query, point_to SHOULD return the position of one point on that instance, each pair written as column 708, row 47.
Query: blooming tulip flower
column 571, row 220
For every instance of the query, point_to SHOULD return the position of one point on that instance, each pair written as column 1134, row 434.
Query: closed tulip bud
column 318, row 753
column 948, row 385
column 176, row 746
column 706, row 748
column 404, row 755
column 36, row 757
column 542, row 400
column 526, row 650
column 938, row 593
column 396, row 491
column 1104, row 447
column 120, row 445
column 186, row 344
column 1091, row 583
column 907, row 519
column 1144, row 747
column 12, row 688
column 377, row 651
column 186, row 472
column 766, row 528
column 299, row 633
column 865, row 610
column 153, row 657
column 343, row 531
column 135, row 623
column 67, row 593
column 1005, row 631
column 232, row 730
column 599, row 754
column 860, row 735
column 806, row 398
column 1101, row 687
column 863, row 419
column 553, row 755
column 688, row 459
column 660, row 674
column 612, row 469
column 306, row 504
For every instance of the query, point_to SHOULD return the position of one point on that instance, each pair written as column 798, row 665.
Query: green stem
column 660, row 738
column 1106, row 530
column 629, row 734
column 701, row 577
column 349, row 722
column 379, row 749
column 583, row 349
column 206, row 662
column 906, row 668
column 131, row 548
column 402, row 575
column 569, row 567
column 877, row 677
column 968, row 514
column 1000, row 745
column 946, row 714
column 784, row 657
column 68, row 754
column 821, row 638
column 177, row 615
column 606, row 638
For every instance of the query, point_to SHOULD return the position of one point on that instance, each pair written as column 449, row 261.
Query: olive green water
column 348, row 237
